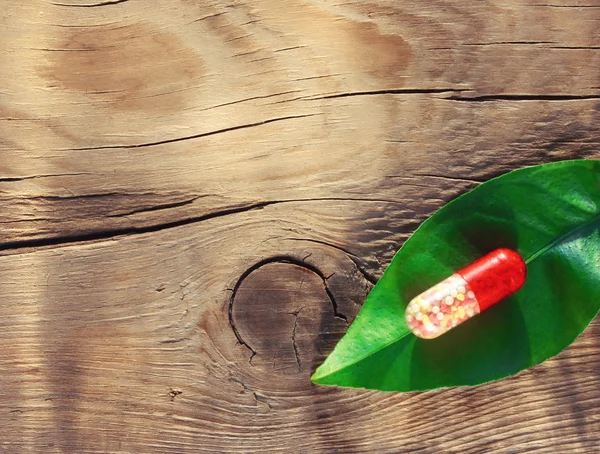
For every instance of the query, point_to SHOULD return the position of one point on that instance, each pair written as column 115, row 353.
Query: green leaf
column 550, row 214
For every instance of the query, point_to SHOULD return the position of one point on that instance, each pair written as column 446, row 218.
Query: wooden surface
column 197, row 196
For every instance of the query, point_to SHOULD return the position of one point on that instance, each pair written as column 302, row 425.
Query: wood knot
column 286, row 316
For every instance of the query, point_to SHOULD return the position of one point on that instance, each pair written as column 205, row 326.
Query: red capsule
column 466, row 293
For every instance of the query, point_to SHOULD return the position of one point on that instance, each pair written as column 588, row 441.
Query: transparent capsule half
column 441, row 308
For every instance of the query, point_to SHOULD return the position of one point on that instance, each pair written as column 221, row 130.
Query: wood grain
column 197, row 196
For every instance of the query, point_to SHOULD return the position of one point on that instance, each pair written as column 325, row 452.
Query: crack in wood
column 399, row 91
column 192, row 137
column 575, row 47
column 521, row 97
column 547, row 5
column 164, row 206
column 109, row 234
column 445, row 177
column 98, row 195
column 210, row 16
column 283, row 49
column 499, row 43
column 21, row 221
column 34, row 177
column 294, row 344
column 251, row 98
column 90, row 5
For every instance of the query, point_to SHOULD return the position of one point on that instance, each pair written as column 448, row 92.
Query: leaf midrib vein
column 563, row 237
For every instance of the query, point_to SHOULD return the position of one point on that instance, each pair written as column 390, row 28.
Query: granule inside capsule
column 441, row 308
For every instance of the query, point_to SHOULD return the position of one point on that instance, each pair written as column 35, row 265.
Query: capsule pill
column 466, row 293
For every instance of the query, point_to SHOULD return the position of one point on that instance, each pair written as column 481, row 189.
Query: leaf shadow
column 445, row 361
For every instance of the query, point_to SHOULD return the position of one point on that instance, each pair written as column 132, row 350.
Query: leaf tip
column 324, row 375
column 317, row 376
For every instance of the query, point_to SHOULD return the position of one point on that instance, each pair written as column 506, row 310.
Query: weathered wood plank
column 197, row 196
